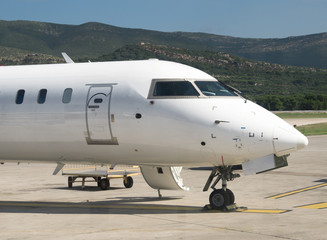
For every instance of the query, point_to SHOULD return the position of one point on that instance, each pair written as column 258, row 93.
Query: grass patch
column 302, row 115
column 313, row 129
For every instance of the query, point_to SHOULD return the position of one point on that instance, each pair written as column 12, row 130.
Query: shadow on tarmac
column 88, row 188
column 105, row 207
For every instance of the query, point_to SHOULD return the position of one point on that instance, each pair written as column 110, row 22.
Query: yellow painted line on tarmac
column 297, row 191
column 273, row 211
column 315, row 206
column 133, row 207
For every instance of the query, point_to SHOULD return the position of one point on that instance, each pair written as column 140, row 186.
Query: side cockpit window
column 173, row 89
column 178, row 88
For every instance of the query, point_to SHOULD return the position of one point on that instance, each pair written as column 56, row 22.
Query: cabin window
column 20, row 96
column 213, row 88
column 42, row 96
column 67, row 96
column 174, row 88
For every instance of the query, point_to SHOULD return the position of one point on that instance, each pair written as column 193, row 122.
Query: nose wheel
column 221, row 198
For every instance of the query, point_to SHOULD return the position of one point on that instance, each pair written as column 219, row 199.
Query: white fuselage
column 111, row 118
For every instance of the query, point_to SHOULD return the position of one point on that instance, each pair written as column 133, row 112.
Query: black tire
column 70, row 182
column 231, row 196
column 129, row 182
column 98, row 181
column 219, row 199
column 104, row 184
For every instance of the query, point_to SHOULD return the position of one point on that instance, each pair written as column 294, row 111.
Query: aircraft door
column 98, row 115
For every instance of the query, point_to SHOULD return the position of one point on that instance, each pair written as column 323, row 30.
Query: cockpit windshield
column 182, row 88
column 214, row 88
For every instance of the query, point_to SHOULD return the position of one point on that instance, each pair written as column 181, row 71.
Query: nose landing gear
column 221, row 198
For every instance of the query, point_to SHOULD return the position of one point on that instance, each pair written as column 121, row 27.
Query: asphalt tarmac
column 288, row 203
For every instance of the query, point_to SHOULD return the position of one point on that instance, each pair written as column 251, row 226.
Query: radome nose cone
column 287, row 139
column 302, row 142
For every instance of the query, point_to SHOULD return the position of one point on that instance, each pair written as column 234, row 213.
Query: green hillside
column 95, row 39
column 14, row 56
column 251, row 77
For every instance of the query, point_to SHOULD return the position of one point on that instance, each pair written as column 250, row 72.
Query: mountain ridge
column 94, row 39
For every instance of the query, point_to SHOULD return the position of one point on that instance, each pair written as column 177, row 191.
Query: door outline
column 98, row 116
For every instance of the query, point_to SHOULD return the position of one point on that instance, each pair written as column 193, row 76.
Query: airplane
column 159, row 115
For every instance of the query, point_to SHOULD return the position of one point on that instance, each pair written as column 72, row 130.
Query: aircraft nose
column 287, row 139
column 302, row 142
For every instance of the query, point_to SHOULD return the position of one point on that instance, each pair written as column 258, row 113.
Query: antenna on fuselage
column 67, row 58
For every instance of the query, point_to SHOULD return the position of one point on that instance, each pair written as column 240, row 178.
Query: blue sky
column 239, row 18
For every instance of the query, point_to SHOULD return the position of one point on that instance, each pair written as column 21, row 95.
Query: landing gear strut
column 220, row 198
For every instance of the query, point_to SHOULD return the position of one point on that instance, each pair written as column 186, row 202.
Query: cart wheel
column 104, row 184
column 128, row 182
column 70, row 182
